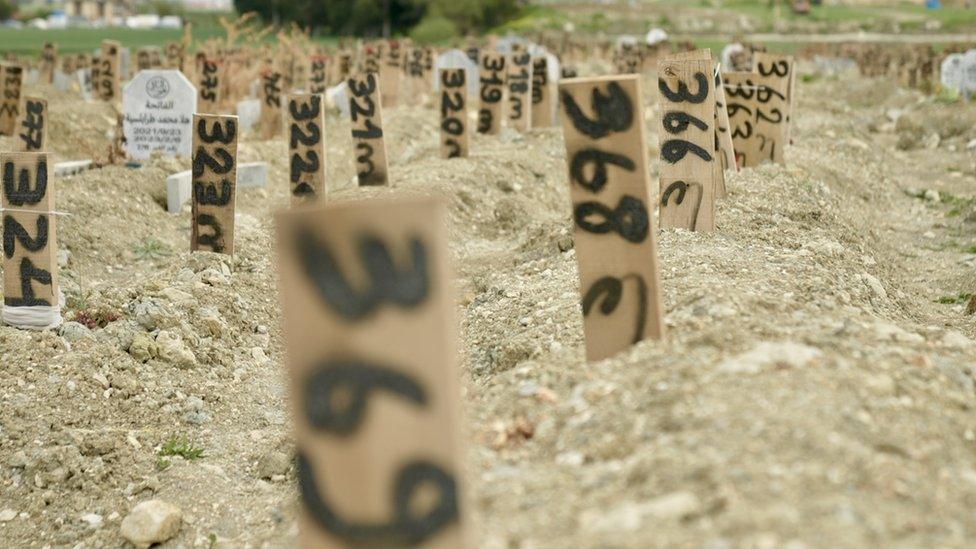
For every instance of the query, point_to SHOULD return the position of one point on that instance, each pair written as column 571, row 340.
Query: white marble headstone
column 248, row 113
column 958, row 72
column 727, row 53
column 158, row 107
column 457, row 59
column 85, row 83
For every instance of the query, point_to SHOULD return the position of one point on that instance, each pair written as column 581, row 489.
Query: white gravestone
column 158, row 107
column 248, row 113
column 457, row 59
column 958, row 72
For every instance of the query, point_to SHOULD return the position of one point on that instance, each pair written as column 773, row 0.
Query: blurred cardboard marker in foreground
column 214, row 183
column 31, row 296
column 376, row 424
column 306, row 146
column 454, row 113
column 367, row 129
column 687, row 135
column 614, row 232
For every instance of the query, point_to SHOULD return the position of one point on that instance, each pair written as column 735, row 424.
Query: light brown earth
column 813, row 391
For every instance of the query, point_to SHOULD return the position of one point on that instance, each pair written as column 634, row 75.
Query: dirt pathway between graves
column 817, row 387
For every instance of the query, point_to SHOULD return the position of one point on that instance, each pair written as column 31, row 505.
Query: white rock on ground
column 149, row 522
column 768, row 354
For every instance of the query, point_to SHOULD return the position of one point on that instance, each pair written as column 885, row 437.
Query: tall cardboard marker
column 209, row 79
column 543, row 94
column 687, row 191
column 49, row 62
column 31, row 298
column 723, row 132
column 756, row 117
column 110, row 63
column 31, row 132
column 376, row 425
column 781, row 70
column 520, row 91
column 454, row 113
column 306, row 146
column 492, row 92
column 614, row 230
column 318, row 80
column 270, row 122
column 214, row 183
column 11, row 81
column 367, row 129
column 391, row 68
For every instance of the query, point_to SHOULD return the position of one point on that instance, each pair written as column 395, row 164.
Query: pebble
column 73, row 331
column 149, row 522
column 7, row 515
column 92, row 519
column 173, row 350
column 631, row 516
column 769, row 354
column 272, row 464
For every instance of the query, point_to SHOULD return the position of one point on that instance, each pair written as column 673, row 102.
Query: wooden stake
column 391, row 67
column 756, row 116
column 109, row 84
column 318, row 74
column 367, row 129
column 214, row 183
column 208, row 85
column 306, row 147
column 32, row 126
column 492, row 91
column 614, row 232
column 520, row 91
column 543, row 95
column 30, row 251
column 11, row 80
column 687, row 191
column 370, row 332
column 49, row 62
column 454, row 113
column 270, row 122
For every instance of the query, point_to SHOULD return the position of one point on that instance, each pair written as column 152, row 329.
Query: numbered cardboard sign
column 723, row 133
column 520, row 91
column 30, row 251
column 454, row 113
column 11, row 80
column 306, row 146
column 367, row 129
column 49, row 62
column 214, row 176
column 543, row 94
column 31, row 132
column 376, row 425
column 756, row 116
column 614, row 230
column 493, row 73
column 780, row 69
column 391, row 67
column 687, row 137
column 318, row 71
column 109, row 79
column 209, row 84
column 270, row 122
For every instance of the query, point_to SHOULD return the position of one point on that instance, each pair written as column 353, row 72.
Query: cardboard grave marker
column 414, row 70
column 391, row 64
column 543, row 94
column 94, row 77
column 158, row 107
column 614, row 230
column 214, row 183
column 209, row 83
column 11, row 80
column 318, row 74
column 31, row 130
column 306, row 146
column 756, row 116
column 175, row 52
column 30, row 251
column 343, row 68
column 376, row 426
column 457, row 59
column 366, row 114
column 179, row 186
column 110, row 61
column 687, row 137
column 520, row 91
column 49, row 62
column 492, row 92
column 454, row 113
column 723, row 132
column 270, row 123
column 780, row 69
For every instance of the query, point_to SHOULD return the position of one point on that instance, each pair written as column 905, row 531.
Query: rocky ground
column 817, row 387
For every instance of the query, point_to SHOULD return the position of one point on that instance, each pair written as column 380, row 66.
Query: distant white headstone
column 727, row 53
column 339, row 97
column 158, row 107
column 85, row 82
column 62, row 82
column 656, row 36
column 457, row 59
column 248, row 113
column 958, row 72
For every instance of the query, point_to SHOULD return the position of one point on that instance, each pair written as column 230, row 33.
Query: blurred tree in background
column 6, row 9
column 431, row 20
